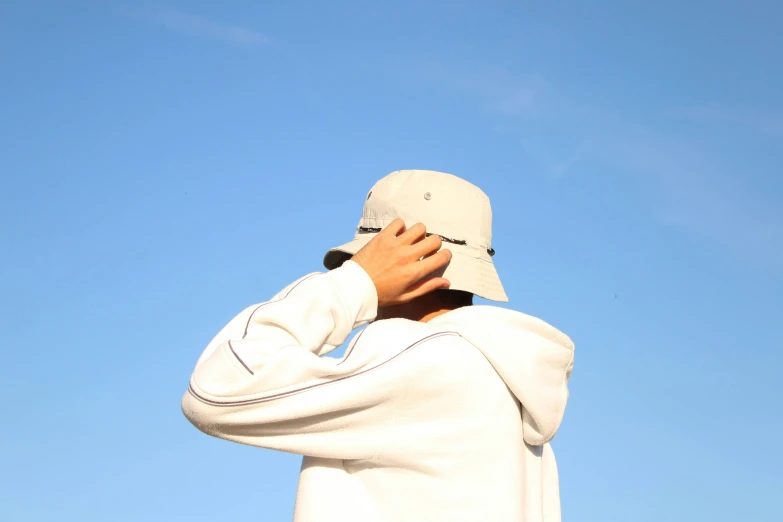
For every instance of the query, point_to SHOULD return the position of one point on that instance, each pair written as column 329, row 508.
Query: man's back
column 439, row 410
column 413, row 423
column 447, row 453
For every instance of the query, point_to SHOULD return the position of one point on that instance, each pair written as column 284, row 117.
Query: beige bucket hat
column 448, row 206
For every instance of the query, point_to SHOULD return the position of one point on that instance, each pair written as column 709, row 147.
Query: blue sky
column 164, row 165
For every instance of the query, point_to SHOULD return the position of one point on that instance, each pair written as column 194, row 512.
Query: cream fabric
column 448, row 420
column 448, row 206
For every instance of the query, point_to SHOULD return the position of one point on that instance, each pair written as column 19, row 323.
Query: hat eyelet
column 427, row 196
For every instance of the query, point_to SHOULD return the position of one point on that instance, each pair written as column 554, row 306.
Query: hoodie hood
column 533, row 358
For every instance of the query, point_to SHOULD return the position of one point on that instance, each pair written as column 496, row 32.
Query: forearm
column 262, row 347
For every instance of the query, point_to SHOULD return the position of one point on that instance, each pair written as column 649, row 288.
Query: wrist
column 357, row 290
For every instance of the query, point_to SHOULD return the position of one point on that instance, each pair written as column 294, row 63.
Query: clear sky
column 163, row 166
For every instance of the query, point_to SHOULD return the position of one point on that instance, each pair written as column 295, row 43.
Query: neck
column 422, row 309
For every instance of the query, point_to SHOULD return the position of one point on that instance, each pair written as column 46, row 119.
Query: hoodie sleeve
column 262, row 381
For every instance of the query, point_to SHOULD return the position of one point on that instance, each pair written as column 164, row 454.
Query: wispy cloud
column 517, row 101
column 765, row 122
column 499, row 91
column 200, row 26
column 699, row 191
column 559, row 169
column 696, row 186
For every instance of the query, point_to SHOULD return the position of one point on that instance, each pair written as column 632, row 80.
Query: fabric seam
column 351, row 348
column 230, row 347
column 283, row 395
column 249, row 319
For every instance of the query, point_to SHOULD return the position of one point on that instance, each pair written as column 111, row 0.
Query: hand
column 398, row 261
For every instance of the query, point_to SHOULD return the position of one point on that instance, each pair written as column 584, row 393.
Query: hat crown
column 446, row 204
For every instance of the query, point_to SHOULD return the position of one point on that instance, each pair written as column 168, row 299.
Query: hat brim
column 464, row 271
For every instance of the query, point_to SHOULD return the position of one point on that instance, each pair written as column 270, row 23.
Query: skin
column 427, row 307
column 400, row 263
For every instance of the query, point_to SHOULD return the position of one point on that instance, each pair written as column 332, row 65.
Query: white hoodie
column 447, row 420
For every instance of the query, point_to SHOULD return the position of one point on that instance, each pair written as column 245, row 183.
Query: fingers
column 426, row 247
column 425, row 287
column 395, row 228
column 413, row 234
column 432, row 263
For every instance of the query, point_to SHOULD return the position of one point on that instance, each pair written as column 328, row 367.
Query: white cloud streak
column 764, row 122
column 700, row 187
column 702, row 194
column 501, row 93
column 194, row 25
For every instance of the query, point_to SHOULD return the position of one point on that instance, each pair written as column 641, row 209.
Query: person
column 438, row 411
